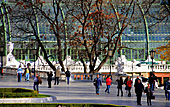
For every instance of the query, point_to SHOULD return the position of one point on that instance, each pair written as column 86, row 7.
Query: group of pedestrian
column 57, row 76
column 21, row 72
column 139, row 87
column 37, row 79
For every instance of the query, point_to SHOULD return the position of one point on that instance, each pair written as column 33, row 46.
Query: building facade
column 139, row 38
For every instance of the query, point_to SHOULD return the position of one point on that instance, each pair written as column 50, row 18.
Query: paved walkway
column 84, row 92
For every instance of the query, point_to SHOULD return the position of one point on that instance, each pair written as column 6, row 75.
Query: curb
column 28, row 100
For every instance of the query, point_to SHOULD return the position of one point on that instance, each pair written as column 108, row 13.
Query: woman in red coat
column 108, row 83
column 129, row 84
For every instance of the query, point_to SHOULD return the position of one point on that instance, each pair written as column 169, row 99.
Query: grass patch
column 42, row 96
column 20, row 93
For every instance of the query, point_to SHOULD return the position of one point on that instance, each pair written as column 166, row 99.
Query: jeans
column 149, row 100
column 166, row 93
column 107, row 89
column 19, row 77
column 27, row 76
column 120, row 88
column 35, row 84
column 68, row 80
column 56, row 79
column 152, row 87
column 97, row 89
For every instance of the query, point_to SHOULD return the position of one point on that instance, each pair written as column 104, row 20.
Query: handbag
column 152, row 97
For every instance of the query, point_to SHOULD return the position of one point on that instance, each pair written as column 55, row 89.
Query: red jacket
column 108, row 81
column 129, row 83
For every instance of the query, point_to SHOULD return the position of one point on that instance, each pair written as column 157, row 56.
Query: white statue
column 10, row 60
column 10, row 47
column 120, row 66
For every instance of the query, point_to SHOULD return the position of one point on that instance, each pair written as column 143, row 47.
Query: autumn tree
column 97, row 22
column 164, row 52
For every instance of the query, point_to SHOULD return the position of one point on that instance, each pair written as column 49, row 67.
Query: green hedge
column 58, row 105
column 17, row 93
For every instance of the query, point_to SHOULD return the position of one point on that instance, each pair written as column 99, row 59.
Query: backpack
column 95, row 81
column 39, row 80
column 168, row 85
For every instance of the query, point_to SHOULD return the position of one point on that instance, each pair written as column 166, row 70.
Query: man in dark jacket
column 119, row 86
column 50, row 75
column 138, row 90
column 151, row 81
column 136, row 83
column 68, row 73
column 97, row 83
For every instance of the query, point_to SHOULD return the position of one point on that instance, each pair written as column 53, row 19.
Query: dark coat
column 50, row 76
column 151, row 80
column 139, row 89
column 97, row 82
column 67, row 73
column 119, row 83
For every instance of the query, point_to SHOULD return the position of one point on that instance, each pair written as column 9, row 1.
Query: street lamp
column 1, row 50
column 152, row 53
column 34, row 54
column 110, row 55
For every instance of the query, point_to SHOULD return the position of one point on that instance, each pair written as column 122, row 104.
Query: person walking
column 119, row 86
column 108, row 83
column 166, row 88
column 97, row 83
column 19, row 73
column 129, row 84
column 27, row 72
column 136, row 84
column 151, row 81
column 125, row 82
column 37, row 81
column 139, row 89
column 57, row 75
column 49, row 78
column 149, row 94
column 68, row 74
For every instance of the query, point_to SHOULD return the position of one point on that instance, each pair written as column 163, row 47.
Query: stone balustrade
column 42, row 70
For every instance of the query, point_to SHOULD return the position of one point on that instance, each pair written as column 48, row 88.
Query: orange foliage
column 164, row 52
column 79, row 26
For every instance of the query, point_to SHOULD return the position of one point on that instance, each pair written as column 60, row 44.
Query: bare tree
column 98, row 23
column 25, row 17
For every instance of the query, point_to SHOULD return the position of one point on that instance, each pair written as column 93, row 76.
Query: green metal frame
column 146, row 30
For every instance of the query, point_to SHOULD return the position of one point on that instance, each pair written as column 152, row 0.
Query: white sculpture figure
column 120, row 66
column 68, row 61
column 10, row 47
column 10, row 60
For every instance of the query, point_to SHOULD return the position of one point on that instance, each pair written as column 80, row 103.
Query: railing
column 90, row 77
column 160, row 67
column 79, row 70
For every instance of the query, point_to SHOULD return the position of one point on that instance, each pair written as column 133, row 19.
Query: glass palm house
column 135, row 38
